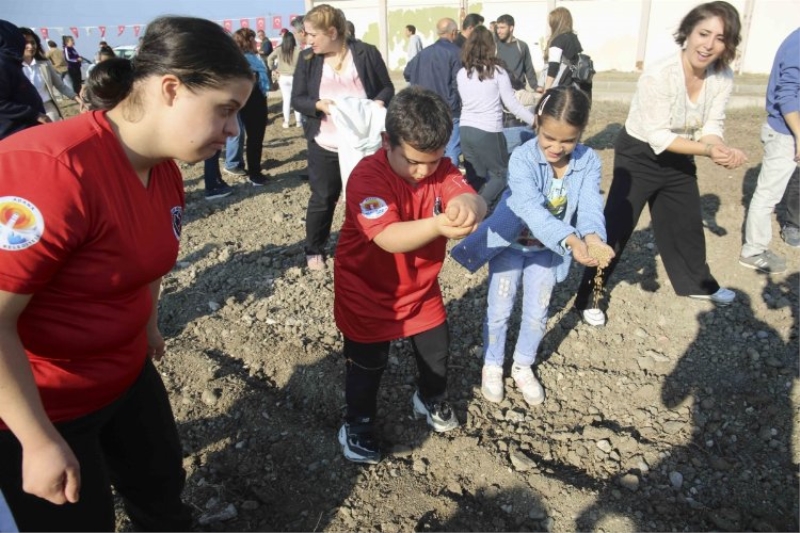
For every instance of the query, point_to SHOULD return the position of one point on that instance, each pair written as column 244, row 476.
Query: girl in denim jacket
column 552, row 211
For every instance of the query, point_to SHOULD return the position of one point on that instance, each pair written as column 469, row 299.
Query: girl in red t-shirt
column 90, row 219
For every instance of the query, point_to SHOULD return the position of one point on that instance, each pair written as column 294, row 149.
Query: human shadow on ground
column 605, row 138
column 274, row 455
column 236, row 280
column 736, row 471
column 709, row 205
column 490, row 508
column 748, row 187
column 636, row 266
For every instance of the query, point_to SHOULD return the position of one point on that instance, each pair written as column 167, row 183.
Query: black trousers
column 133, row 444
column 367, row 361
column 667, row 183
column 74, row 72
column 254, row 117
column 325, row 180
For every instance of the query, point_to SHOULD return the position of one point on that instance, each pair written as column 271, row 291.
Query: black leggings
column 367, row 361
column 74, row 72
column 254, row 117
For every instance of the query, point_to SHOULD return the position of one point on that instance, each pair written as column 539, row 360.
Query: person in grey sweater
column 485, row 88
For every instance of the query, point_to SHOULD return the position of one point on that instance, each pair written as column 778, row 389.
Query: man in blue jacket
column 20, row 104
column 780, row 135
column 435, row 68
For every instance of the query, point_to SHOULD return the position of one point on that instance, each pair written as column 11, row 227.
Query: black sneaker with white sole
column 359, row 443
column 439, row 415
column 258, row 181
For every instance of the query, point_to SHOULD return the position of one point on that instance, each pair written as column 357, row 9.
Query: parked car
column 127, row 51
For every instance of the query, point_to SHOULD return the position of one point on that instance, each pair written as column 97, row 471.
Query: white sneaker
column 527, row 383
column 286, row 125
column 722, row 297
column 492, row 383
column 594, row 317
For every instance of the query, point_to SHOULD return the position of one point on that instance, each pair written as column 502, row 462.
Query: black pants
column 366, row 362
column 667, row 183
column 325, row 180
column 132, row 444
column 254, row 117
column 74, row 72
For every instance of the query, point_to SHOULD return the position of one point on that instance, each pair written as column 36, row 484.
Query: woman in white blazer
column 43, row 76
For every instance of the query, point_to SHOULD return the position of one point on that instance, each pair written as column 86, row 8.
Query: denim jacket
column 524, row 203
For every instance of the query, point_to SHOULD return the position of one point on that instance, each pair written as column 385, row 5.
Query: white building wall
column 608, row 29
column 773, row 20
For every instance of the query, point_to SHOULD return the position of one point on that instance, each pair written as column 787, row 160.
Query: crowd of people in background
column 477, row 149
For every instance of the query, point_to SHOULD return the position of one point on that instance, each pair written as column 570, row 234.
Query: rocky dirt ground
column 676, row 416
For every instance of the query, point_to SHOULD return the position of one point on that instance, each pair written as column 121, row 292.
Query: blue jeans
column 234, row 148
column 538, row 280
column 453, row 148
column 518, row 135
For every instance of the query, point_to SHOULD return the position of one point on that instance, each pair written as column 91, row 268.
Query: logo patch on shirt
column 437, row 206
column 177, row 221
column 373, row 207
column 21, row 223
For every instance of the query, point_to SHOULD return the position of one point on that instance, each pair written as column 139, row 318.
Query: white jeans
column 776, row 169
column 285, row 84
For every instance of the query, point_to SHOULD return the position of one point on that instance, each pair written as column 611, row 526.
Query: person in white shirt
column 43, row 76
column 414, row 45
column 677, row 113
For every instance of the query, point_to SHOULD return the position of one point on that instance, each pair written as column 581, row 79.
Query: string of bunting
column 88, row 31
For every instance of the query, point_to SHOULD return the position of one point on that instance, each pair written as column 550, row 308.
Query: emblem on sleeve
column 373, row 208
column 177, row 221
column 21, row 223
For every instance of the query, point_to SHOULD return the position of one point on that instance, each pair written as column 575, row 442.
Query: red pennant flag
column 74, row 30
column 102, row 31
column 44, row 32
column 136, row 29
column 261, row 23
column 244, row 23
column 228, row 25
column 120, row 30
column 277, row 22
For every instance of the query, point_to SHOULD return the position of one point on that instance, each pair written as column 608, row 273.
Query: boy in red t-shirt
column 403, row 203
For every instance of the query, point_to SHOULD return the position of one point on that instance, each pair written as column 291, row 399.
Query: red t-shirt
column 81, row 233
column 380, row 296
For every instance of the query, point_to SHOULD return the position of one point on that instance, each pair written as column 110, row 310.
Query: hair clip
column 543, row 103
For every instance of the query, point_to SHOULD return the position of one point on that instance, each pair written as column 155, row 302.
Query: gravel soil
column 676, row 416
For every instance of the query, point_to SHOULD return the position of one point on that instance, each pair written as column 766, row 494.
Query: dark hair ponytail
column 567, row 103
column 196, row 51
column 109, row 82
